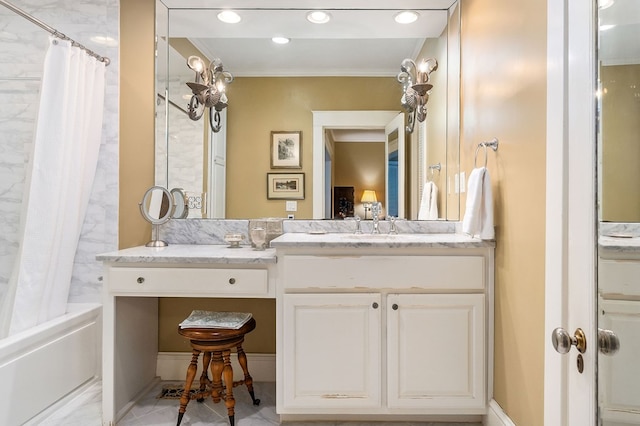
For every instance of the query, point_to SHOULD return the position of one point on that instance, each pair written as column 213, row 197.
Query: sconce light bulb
column 195, row 63
column 220, row 86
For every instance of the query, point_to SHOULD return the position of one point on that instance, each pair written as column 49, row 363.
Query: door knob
column 608, row 342
column 562, row 340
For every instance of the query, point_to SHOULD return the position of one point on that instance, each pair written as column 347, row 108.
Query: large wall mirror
column 619, row 76
column 347, row 66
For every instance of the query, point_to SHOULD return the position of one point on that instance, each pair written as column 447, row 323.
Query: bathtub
column 40, row 366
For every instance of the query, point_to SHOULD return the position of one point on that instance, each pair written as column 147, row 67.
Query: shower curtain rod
column 53, row 31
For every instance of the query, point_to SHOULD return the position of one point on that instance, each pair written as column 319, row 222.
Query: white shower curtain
column 62, row 168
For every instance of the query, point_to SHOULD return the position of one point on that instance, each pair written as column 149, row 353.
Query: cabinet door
column 332, row 350
column 618, row 384
column 436, row 352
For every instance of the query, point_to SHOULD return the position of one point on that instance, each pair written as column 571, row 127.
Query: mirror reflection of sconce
column 415, row 88
column 208, row 90
column 157, row 207
column 368, row 198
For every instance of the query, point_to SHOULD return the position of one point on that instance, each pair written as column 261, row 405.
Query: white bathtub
column 40, row 366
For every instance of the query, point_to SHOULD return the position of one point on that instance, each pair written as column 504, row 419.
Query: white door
column 435, row 351
column 569, row 395
column 332, row 352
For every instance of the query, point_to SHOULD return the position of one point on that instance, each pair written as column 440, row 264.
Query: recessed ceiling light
column 318, row 17
column 603, row 4
column 229, row 16
column 280, row 40
column 406, row 17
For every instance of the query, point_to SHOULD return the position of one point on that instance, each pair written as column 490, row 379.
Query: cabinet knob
column 232, row 280
column 375, row 305
column 140, row 280
column 394, row 306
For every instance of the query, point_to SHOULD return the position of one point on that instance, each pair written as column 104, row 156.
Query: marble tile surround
column 22, row 50
column 212, row 231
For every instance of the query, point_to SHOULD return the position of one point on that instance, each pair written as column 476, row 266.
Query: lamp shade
column 369, row 196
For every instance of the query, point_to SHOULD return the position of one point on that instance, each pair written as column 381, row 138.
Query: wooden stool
column 216, row 341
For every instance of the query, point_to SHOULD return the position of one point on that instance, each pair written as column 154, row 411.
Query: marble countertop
column 624, row 244
column 351, row 240
column 191, row 253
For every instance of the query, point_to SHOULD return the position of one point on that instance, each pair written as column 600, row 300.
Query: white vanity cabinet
column 619, row 312
column 135, row 278
column 383, row 331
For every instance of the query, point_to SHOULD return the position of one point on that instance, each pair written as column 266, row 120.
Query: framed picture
column 285, row 186
column 286, row 150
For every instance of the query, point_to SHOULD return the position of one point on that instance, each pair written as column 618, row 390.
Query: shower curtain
column 61, row 171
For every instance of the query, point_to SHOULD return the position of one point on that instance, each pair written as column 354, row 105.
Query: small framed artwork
column 285, row 186
column 286, row 150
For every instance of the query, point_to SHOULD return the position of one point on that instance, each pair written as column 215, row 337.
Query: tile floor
column 85, row 411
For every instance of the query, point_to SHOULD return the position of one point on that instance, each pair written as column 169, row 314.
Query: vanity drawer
column 406, row 272
column 188, row 281
column 618, row 278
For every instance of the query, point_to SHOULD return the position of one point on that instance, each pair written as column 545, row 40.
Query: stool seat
column 206, row 335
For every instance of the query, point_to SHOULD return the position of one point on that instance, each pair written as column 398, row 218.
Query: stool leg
column 216, row 376
column 191, row 373
column 229, row 401
column 248, row 380
column 204, row 378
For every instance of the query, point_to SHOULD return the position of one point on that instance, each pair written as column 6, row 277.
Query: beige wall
column 137, row 100
column 259, row 105
column 620, row 130
column 504, row 96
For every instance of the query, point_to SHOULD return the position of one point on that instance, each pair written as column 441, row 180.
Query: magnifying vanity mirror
column 157, row 207
column 350, row 63
column 181, row 203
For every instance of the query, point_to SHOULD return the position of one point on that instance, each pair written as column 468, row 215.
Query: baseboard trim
column 173, row 366
column 496, row 416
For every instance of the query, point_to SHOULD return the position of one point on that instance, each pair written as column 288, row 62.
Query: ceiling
column 362, row 38
column 619, row 44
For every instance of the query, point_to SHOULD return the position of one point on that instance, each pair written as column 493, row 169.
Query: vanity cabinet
column 384, row 331
column 619, row 311
column 134, row 280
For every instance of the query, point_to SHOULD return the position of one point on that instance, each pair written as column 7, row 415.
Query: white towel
column 478, row 216
column 429, row 202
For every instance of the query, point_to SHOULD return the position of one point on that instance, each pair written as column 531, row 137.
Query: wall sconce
column 208, row 90
column 368, row 198
column 415, row 88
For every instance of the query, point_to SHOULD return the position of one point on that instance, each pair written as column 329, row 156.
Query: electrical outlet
column 194, row 202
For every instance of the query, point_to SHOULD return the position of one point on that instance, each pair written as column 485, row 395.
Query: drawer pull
column 140, row 280
column 375, row 305
column 232, row 281
column 394, row 306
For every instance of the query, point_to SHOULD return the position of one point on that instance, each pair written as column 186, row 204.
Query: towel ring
column 493, row 144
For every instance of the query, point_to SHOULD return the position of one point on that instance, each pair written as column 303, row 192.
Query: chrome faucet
column 392, row 228
column 375, row 214
column 358, row 228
